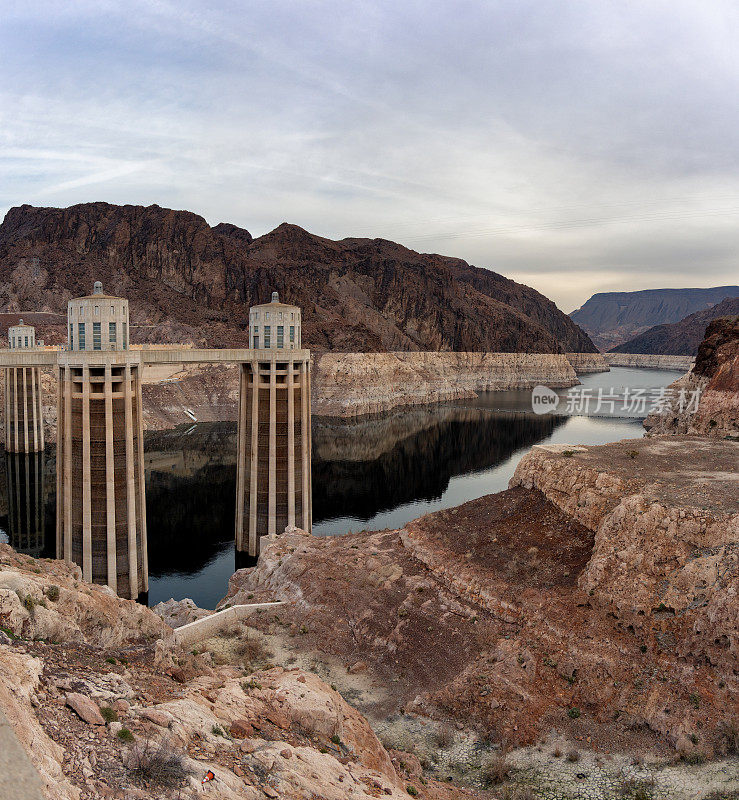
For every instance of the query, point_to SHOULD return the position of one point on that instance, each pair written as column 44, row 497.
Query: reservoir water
column 369, row 474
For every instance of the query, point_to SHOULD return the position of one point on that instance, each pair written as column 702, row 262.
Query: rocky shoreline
column 354, row 384
column 648, row 360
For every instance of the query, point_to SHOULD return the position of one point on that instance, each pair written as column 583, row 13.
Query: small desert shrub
column 568, row 453
column 637, row 788
column 217, row 730
column 397, row 740
column 109, row 714
column 728, row 733
column 336, row 739
column 157, row 763
column 411, row 789
column 573, row 756
column 695, row 700
column 110, row 660
column 496, row 769
column 573, row 713
column 633, row 453
column 232, row 631
column 252, row 650
column 444, row 736
column 28, row 603
column 557, row 753
column 52, row 592
column 125, row 735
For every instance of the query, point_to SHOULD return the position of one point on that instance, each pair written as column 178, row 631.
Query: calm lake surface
column 367, row 475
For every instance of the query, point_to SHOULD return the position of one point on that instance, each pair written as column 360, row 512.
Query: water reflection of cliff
column 360, row 470
column 25, row 498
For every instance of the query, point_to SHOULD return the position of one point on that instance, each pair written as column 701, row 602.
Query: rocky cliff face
column 344, row 384
column 352, row 384
column 189, row 282
column 679, row 338
column 612, row 318
column 715, row 376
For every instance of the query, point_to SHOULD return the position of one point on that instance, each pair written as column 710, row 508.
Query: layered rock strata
column 600, row 588
column 343, row 384
column 584, row 363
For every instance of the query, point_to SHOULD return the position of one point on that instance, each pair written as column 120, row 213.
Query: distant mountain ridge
column 612, row 318
column 679, row 338
column 189, row 282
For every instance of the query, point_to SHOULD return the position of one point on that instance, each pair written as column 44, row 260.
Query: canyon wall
column 650, row 360
column 352, row 384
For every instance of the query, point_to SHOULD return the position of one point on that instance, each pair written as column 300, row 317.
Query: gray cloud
column 576, row 146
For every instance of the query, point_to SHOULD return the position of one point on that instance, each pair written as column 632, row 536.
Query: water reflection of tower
column 26, row 519
column 273, row 472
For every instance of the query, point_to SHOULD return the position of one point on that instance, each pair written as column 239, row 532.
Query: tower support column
column 273, row 460
column 101, row 512
column 24, row 430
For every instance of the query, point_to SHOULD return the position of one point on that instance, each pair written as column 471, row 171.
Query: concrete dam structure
column 101, row 495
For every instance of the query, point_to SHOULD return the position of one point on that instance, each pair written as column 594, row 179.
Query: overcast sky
column 574, row 146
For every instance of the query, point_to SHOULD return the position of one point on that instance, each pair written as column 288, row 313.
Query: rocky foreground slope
column 596, row 597
column 188, row 282
column 107, row 706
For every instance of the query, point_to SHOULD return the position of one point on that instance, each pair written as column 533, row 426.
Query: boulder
column 85, row 708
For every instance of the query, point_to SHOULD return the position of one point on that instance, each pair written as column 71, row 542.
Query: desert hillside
column 679, row 338
column 189, row 282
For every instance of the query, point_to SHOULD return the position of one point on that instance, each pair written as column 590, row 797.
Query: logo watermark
column 615, row 401
column 544, row 400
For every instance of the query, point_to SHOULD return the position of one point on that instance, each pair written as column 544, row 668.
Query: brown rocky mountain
column 190, row 282
column 680, row 338
column 611, row 318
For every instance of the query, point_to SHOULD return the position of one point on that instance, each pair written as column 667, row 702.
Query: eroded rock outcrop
column 715, row 376
column 666, row 524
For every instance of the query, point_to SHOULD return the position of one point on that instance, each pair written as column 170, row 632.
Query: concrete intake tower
column 101, row 510
column 273, row 468
column 24, row 421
